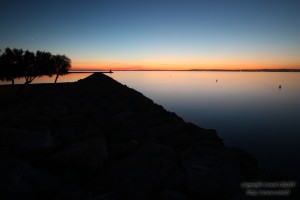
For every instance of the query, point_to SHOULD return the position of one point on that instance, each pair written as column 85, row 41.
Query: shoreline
column 96, row 137
column 3, row 83
column 192, row 70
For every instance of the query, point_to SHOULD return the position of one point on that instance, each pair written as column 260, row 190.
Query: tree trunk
column 23, row 87
column 32, row 79
column 56, row 78
column 27, row 82
column 12, row 81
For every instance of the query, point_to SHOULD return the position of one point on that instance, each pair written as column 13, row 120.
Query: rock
column 70, row 133
column 36, row 145
column 108, row 196
column 177, row 140
column 172, row 195
column 71, row 119
column 81, row 107
column 46, row 184
column 210, row 170
column 15, row 122
column 200, row 135
column 92, row 132
column 55, row 111
column 14, row 183
column 122, row 149
column 120, row 117
column 125, row 127
column 249, row 164
column 161, row 131
column 29, row 112
column 72, row 191
column 20, row 181
column 98, row 139
column 85, row 158
column 141, row 175
column 42, row 121
column 31, row 145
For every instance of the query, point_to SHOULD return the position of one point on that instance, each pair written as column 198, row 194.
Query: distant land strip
column 90, row 71
column 201, row 70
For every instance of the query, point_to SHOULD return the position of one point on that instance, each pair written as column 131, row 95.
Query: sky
column 157, row 34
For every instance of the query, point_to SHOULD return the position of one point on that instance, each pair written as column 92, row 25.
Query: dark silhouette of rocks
column 97, row 139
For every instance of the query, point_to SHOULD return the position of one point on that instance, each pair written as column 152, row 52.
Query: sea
column 256, row 111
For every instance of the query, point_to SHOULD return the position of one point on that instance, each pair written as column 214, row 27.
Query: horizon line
column 229, row 70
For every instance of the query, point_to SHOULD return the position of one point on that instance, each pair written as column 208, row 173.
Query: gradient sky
column 158, row 34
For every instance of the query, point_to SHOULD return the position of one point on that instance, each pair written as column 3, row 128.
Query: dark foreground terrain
column 97, row 139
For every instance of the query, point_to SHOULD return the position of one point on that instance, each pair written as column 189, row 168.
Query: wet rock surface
column 100, row 140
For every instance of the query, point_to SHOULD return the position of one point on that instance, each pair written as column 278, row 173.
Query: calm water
column 246, row 108
column 45, row 79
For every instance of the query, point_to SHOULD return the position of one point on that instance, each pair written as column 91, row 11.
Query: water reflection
column 72, row 77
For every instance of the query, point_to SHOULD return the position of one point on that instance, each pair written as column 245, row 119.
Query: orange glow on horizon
column 187, row 64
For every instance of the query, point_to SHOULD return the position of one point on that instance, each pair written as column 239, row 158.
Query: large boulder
column 79, row 160
column 19, row 180
column 72, row 191
column 212, row 173
column 28, row 144
column 172, row 195
column 142, row 175
column 69, row 133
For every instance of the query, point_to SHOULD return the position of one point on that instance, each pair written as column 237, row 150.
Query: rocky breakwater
column 97, row 139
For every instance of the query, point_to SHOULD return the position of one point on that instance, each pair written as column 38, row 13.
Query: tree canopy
column 16, row 63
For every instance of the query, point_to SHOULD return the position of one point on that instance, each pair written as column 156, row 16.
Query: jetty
column 98, row 139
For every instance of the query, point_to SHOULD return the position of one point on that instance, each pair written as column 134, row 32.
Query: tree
column 2, row 76
column 44, row 63
column 62, row 65
column 29, row 70
column 11, row 62
column 15, row 63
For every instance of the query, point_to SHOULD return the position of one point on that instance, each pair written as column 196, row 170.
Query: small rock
column 172, row 195
column 210, row 170
column 86, row 158
column 21, row 181
column 72, row 191
column 141, row 175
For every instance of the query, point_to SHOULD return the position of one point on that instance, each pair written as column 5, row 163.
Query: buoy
column 279, row 86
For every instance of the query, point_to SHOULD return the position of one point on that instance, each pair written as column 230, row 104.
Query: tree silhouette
column 15, row 63
column 29, row 70
column 11, row 62
column 44, row 63
column 2, row 76
column 62, row 65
